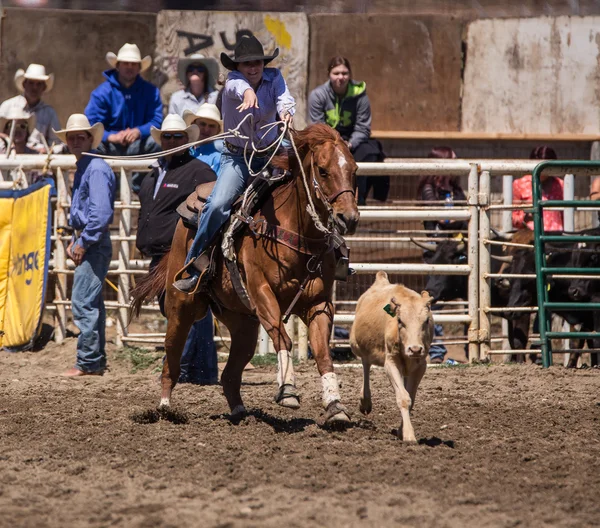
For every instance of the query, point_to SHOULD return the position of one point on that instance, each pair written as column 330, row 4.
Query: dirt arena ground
column 499, row 446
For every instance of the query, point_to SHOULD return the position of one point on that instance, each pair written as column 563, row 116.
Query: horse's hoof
column 239, row 411
column 288, row 397
column 337, row 413
column 365, row 407
column 291, row 402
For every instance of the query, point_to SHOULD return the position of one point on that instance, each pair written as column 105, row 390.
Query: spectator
column 595, row 192
column 172, row 180
column 439, row 189
column 92, row 208
column 208, row 120
column 343, row 104
column 552, row 189
column 24, row 125
column 198, row 75
column 127, row 106
column 251, row 88
column 445, row 190
column 33, row 83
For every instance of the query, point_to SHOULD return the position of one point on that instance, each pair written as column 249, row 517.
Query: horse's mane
column 315, row 135
column 309, row 138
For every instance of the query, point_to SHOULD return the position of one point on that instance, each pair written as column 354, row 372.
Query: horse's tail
column 149, row 286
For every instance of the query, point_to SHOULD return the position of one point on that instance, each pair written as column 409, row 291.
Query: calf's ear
column 427, row 298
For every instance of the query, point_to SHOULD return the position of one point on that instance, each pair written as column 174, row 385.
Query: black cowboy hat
column 247, row 49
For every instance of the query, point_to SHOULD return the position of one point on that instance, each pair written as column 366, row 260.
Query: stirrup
column 179, row 275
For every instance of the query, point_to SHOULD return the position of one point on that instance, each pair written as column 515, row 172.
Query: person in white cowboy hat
column 127, row 105
column 24, row 125
column 172, row 180
column 32, row 84
column 251, row 88
column 92, row 209
column 208, row 120
column 199, row 75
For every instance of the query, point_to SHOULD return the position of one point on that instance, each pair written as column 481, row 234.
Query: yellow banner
column 25, row 224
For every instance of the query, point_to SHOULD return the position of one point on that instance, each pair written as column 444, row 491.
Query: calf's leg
column 403, row 399
column 365, row 395
column 412, row 381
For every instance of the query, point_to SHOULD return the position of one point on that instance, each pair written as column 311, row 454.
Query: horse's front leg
column 319, row 322
column 269, row 314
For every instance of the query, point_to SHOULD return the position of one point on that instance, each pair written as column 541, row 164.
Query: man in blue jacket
column 126, row 105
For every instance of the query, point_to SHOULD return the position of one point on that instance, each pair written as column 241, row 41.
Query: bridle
column 328, row 200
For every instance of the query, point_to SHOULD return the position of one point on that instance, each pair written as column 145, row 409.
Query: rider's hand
column 288, row 118
column 250, row 100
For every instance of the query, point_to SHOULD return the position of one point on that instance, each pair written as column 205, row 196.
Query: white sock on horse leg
column 331, row 388
column 285, row 368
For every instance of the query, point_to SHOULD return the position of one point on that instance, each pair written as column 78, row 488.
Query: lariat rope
column 255, row 151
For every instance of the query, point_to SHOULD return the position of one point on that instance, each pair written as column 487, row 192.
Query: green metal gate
column 542, row 271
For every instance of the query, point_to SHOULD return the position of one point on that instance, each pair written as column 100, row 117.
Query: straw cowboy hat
column 35, row 72
column 175, row 123
column 17, row 115
column 207, row 111
column 80, row 123
column 211, row 65
column 129, row 53
column 247, row 49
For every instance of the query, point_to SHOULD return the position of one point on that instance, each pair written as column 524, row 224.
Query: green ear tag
column 389, row 310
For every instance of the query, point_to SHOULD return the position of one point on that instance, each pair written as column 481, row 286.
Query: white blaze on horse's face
column 341, row 159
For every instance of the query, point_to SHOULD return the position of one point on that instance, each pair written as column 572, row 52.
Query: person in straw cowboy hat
column 208, row 119
column 24, row 125
column 172, row 179
column 199, row 75
column 251, row 88
column 127, row 105
column 33, row 83
column 92, row 209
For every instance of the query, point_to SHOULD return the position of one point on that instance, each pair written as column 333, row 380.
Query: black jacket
column 158, row 216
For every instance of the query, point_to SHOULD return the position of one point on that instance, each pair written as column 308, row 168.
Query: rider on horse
column 251, row 89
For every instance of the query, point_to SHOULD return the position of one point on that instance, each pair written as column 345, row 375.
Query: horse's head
column 331, row 170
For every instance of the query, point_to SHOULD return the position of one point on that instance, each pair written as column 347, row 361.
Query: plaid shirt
column 552, row 189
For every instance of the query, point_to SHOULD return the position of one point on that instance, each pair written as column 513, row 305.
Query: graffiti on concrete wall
column 197, row 42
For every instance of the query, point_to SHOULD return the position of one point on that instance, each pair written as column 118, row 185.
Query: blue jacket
column 118, row 108
column 93, row 199
column 209, row 153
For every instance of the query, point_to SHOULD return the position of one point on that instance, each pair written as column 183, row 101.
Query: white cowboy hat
column 211, row 65
column 129, row 53
column 17, row 115
column 35, row 72
column 175, row 123
column 207, row 111
column 80, row 123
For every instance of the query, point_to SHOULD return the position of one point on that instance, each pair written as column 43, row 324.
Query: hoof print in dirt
column 434, row 441
column 162, row 413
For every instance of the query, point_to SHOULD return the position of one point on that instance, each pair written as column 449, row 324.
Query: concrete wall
column 217, row 32
column 533, row 75
column 72, row 45
column 412, row 65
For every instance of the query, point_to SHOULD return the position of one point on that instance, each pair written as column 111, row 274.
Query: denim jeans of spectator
column 88, row 306
column 199, row 357
column 139, row 146
column 437, row 350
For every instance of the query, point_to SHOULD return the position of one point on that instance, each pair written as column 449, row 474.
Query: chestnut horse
column 272, row 273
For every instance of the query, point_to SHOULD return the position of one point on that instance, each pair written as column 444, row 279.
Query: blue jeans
column 139, row 146
column 88, row 306
column 437, row 350
column 230, row 184
column 199, row 357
